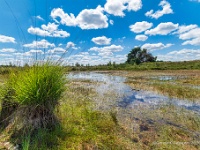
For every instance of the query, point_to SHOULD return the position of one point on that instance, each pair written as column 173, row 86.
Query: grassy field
column 83, row 124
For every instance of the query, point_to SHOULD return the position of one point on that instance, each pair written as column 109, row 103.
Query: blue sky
column 98, row 31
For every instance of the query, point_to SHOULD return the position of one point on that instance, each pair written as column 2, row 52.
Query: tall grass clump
column 39, row 85
column 35, row 92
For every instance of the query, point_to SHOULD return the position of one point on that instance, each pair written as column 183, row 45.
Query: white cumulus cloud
column 34, row 51
column 51, row 27
column 50, row 30
column 57, row 50
column 117, row 7
column 133, row 5
column 191, row 36
column 68, row 20
column 181, row 55
column 107, row 50
column 92, row 19
column 6, row 39
column 193, row 33
column 103, row 40
column 40, row 44
column 71, row 45
column 155, row 46
column 7, row 50
column 195, row 41
column 86, row 19
column 163, row 29
column 183, row 28
column 139, row 27
column 38, row 31
column 141, row 37
column 166, row 9
column 185, row 52
column 5, row 55
column 23, row 54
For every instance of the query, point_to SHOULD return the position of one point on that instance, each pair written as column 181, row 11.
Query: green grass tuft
column 29, row 99
column 38, row 85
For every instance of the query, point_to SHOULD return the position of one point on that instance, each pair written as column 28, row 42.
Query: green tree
column 138, row 55
column 77, row 64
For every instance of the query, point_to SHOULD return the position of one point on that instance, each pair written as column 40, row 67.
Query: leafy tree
column 138, row 55
column 77, row 64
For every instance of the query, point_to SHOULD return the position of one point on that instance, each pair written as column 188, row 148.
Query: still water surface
column 128, row 97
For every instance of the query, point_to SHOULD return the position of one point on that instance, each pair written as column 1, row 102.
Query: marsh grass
column 29, row 99
column 82, row 126
column 177, row 91
column 182, row 85
column 170, row 89
column 165, row 127
column 38, row 85
column 157, row 127
column 26, row 142
column 193, row 80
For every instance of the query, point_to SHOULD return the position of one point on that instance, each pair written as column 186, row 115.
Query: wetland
column 121, row 110
column 149, row 105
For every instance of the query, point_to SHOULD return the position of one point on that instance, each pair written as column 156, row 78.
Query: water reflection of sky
column 127, row 97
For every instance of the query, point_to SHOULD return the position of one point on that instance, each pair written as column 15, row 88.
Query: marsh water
column 114, row 87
